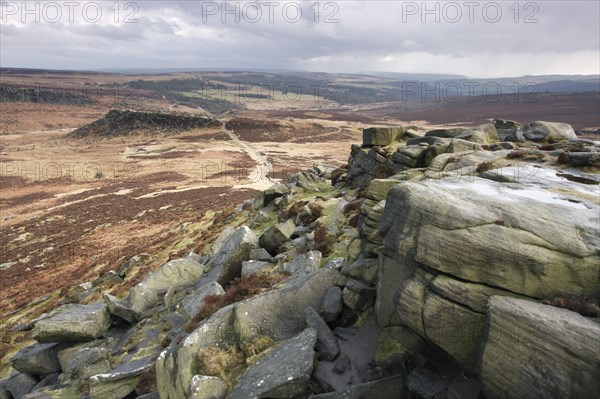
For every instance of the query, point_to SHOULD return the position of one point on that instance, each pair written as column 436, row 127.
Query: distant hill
column 125, row 123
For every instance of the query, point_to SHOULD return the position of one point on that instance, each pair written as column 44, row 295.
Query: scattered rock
column 192, row 303
column 276, row 235
column 327, row 345
column 282, row 373
column 71, row 323
column 251, row 267
column 38, row 359
column 385, row 388
column 332, row 304
column 174, row 274
column 549, row 132
column 358, row 295
column 20, row 385
column 267, row 196
column 280, row 314
column 226, row 264
column 260, row 254
column 303, row 263
column 120, row 382
column 82, row 362
column 205, row 387
column 336, row 263
column 426, row 383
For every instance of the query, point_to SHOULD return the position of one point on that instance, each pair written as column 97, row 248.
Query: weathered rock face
column 145, row 295
column 545, row 131
column 85, row 360
column 538, row 351
column 492, row 240
column 282, row 373
column 484, row 134
column 71, row 323
column 476, row 238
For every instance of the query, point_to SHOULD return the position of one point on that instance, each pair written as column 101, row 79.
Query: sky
column 472, row 38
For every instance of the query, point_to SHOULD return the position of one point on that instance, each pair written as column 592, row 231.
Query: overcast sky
column 473, row 38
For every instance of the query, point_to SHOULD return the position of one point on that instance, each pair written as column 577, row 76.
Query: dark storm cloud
column 533, row 38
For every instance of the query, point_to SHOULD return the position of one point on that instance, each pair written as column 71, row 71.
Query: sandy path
column 260, row 176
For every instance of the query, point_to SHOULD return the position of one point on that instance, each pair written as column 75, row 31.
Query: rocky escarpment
column 459, row 263
column 124, row 123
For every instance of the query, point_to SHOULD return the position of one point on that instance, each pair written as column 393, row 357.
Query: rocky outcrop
column 493, row 241
column 278, row 314
column 537, row 351
column 474, row 240
column 433, row 253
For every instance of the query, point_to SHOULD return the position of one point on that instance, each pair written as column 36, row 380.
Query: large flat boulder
column 545, row 131
column 282, row 373
column 535, row 351
column 499, row 234
column 72, row 323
